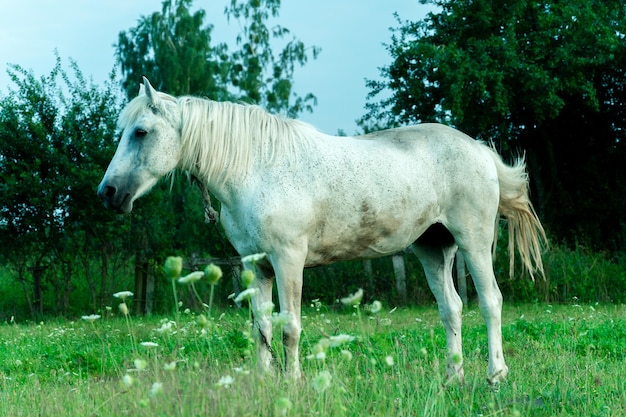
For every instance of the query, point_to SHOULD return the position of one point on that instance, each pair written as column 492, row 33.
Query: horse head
column 149, row 148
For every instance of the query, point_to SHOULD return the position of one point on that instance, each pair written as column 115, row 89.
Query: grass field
column 566, row 360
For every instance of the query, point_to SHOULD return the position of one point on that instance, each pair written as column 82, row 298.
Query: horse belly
column 358, row 246
column 370, row 234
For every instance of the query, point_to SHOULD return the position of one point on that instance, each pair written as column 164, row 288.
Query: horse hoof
column 498, row 376
column 455, row 376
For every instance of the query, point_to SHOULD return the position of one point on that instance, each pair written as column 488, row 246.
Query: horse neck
column 209, row 148
column 225, row 142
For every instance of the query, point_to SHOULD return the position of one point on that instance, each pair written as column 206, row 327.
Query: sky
column 350, row 33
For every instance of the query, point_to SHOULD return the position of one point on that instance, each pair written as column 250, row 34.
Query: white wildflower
column 91, row 318
column 156, row 389
column 149, row 344
column 254, row 258
column 171, row 366
column 266, row 308
column 123, row 294
column 321, row 346
column 225, row 381
column 140, row 364
column 340, row 339
column 282, row 318
column 245, row 295
column 346, row 354
column 353, row 299
column 128, row 380
column 166, row 327
column 389, row 360
column 190, row 278
column 375, row 307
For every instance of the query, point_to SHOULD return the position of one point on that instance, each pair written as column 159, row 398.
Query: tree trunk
column 399, row 270
column 105, row 254
column 149, row 303
column 369, row 275
column 67, row 288
column 21, row 269
column 140, row 286
column 37, row 272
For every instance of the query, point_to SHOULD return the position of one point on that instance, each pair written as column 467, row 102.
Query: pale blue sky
column 349, row 32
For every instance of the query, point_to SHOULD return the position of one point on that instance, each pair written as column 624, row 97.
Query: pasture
column 564, row 359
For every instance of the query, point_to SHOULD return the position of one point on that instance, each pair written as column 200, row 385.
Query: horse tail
column 525, row 229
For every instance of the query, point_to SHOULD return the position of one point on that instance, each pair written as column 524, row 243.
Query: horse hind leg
column 436, row 249
column 480, row 265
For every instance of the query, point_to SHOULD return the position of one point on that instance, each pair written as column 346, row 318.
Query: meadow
column 564, row 360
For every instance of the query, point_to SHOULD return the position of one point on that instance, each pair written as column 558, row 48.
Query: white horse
column 306, row 199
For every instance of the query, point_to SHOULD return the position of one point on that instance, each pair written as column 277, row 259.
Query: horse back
column 367, row 196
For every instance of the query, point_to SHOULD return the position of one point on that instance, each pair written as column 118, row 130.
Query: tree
column 55, row 136
column 173, row 49
column 261, row 77
column 546, row 78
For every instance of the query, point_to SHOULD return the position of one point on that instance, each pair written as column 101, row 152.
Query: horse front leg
column 262, row 326
column 289, row 267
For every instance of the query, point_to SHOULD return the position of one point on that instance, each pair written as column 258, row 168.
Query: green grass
column 565, row 360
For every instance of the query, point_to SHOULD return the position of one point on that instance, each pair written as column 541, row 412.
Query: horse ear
column 150, row 92
column 142, row 90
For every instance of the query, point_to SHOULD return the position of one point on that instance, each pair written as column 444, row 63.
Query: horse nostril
column 109, row 191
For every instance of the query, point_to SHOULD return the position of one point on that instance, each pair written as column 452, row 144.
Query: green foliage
column 546, row 78
column 173, row 49
column 254, row 69
column 572, row 274
column 56, row 134
column 494, row 69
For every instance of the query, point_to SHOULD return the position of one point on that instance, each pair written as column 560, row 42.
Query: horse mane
column 223, row 140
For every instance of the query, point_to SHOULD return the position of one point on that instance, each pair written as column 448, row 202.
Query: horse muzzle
column 114, row 198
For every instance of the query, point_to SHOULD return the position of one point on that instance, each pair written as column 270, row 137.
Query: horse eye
column 140, row 133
